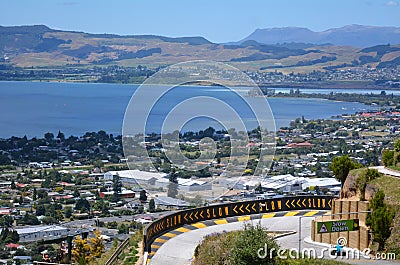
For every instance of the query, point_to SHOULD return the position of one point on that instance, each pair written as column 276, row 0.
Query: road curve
column 177, row 246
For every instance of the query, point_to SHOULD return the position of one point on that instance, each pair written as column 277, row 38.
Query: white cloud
column 391, row 3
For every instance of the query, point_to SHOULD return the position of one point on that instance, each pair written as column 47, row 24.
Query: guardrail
column 190, row 216
column 117, row 252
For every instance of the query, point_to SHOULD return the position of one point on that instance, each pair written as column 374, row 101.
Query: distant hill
column 41, row 46
column 352, row 35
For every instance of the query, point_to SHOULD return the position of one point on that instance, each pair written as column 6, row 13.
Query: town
column 58, row 186
column 352, row 77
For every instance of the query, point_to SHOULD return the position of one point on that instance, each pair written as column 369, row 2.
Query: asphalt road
column 87, row 223
column 179, row 250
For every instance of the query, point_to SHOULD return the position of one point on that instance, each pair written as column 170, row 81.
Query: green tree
column 12, row 237
column 68, row 212
column 378, row 201
column 123, row 229
column 3, row 234
column 9, row 236
column 13, row 186
column 117, row 188
column 152, row 205
column 4, row 160
column 49, row 220
column 76, row 193
column 49, row 136
column 380, row 220
column 59, row 215
column 6, row 221
column 381, row 223
column 40, row 210
column 387, row 157
column 173, row 184
column 341, row 167
column 371, row 174
column 82, row 205
column 143, row 196
column 29, row 219
column 115, row 242
column 396, row 145
column 34, row 195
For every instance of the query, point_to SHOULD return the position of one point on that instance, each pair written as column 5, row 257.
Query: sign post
column 338, row 226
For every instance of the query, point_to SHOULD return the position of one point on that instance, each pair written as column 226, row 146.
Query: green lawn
column 390, row 186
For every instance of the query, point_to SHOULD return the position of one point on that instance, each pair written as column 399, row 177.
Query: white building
column 36, row 233
column 288, row 183
column 193, row 185
column 135, row 176
column 186, row 184
column 168, row 201
column 329, row 183
column 156, row 179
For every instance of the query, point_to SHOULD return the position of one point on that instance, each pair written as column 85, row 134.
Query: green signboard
column 337, row 226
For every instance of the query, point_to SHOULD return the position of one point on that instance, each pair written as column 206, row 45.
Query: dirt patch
column 350, row 190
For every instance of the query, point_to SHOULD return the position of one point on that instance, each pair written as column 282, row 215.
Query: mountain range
column 351, row 35
column 286, row 49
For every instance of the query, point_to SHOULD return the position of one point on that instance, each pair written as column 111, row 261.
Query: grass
column 376, row 134
column 394, row 168
column 131, row 255
column 390, row 186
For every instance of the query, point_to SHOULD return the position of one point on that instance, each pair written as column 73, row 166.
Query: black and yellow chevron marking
column 158, row 242
column 232, row 209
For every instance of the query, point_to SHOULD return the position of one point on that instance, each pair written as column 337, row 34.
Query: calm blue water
column 34, row 108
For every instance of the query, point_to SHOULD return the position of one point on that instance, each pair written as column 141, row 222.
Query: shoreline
column 322, row 86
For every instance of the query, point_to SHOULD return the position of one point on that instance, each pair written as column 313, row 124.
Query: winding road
column 179, row 248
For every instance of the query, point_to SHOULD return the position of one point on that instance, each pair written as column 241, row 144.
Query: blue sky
column 218, row 21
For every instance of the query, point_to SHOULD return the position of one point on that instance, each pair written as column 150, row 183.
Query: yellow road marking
column 170, row 235
column 199, row 225
column 244, row 218
column 182, row 229
column 160, row 240
column 155, row 246
column 291, row 213
column 268, row 215
column 311, row 213
column 220, row 221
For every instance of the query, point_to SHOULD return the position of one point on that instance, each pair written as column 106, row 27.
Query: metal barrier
column 190, row 216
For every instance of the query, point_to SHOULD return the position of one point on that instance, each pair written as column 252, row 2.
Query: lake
column 34, row 108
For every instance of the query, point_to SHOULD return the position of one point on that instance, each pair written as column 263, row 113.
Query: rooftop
column 138, row 174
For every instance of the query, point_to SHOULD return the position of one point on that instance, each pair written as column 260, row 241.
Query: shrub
column 238, row 247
